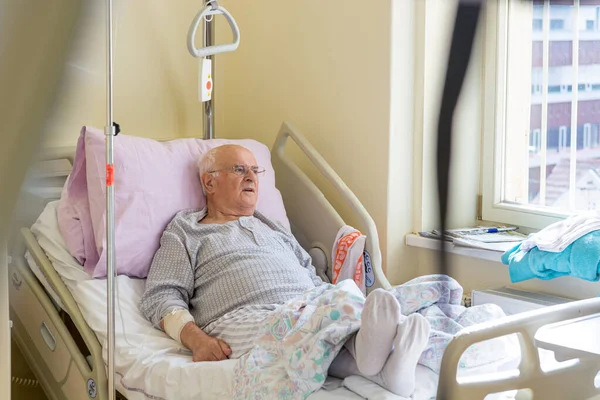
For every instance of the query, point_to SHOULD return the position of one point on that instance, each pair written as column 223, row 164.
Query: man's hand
column 203, row 347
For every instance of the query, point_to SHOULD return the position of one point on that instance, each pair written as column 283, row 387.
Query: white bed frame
column 64, row 352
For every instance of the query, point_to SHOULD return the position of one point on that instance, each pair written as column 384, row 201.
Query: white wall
column 434, row 21
column 333, row 71
column 401, row 207
column 155, row 78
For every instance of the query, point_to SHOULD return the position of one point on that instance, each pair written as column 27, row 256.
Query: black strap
column 465, row 26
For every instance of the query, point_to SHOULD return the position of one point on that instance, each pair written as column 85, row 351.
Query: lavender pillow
column 153, row 181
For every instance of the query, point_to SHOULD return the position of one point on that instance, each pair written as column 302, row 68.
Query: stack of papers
column 482, row 237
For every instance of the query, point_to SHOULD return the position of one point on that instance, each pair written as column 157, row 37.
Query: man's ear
column 209, row 182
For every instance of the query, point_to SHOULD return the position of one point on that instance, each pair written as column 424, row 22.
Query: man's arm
column 170, row 281
column 165, row 302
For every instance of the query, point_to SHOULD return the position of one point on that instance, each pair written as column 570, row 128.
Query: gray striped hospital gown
column 229, row 276
column 239, row 328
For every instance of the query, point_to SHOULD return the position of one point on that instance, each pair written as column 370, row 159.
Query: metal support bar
column 209, row 109
column 109, row 132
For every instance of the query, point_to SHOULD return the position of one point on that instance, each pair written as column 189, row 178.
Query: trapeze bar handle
column 210, row 50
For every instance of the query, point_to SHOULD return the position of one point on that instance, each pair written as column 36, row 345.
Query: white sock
column 398, row 373
column 373, row 343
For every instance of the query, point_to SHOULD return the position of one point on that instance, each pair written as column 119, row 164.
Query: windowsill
column 415, row 240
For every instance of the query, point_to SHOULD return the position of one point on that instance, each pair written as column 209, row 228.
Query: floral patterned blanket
column 298, row 342
column 438, row 298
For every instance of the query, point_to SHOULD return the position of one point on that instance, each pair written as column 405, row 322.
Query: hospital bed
column 59, row 312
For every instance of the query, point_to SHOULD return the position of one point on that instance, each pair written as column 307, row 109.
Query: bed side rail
column 72, row 309
column 307, row 206
column 572, row 381
column 56, row 153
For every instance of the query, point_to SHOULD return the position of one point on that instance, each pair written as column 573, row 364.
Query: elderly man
column 221, row 270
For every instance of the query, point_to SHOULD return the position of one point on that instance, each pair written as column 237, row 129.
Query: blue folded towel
column 581, row 259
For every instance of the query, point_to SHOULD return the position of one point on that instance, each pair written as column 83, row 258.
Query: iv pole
column 109, row 132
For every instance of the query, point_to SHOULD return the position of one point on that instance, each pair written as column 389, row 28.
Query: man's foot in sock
column 398, row 373
column 374, row 341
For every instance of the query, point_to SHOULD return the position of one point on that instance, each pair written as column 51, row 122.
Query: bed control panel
column 39, row 329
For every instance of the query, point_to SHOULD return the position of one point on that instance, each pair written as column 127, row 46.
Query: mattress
column 151, row 365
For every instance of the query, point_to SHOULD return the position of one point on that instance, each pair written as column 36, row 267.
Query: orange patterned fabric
column 347, row 255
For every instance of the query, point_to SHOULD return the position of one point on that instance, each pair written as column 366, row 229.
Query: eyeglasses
column 242, row 170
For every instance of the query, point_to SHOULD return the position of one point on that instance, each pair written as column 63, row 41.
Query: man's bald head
column 229, row 178
column 208, row 162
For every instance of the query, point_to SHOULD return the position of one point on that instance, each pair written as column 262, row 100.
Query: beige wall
column 343, row 78
column 328, row 70
column 350, row 82
column 363, row 87
column 155, row 78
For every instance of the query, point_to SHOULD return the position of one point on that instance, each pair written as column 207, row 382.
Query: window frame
column 499, row 16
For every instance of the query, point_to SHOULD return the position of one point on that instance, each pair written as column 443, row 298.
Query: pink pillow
column 153, row 181
column 73, row 213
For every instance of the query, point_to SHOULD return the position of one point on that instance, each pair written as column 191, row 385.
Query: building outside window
column 542, row 50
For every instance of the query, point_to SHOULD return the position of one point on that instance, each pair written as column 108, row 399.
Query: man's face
column 235, row 185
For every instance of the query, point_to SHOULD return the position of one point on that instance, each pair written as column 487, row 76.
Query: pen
column 494, row 230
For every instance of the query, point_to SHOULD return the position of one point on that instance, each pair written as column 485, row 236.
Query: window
column 536, row 141
column 562, row 139
column 557, row 24
column 590, row 25
column 541, row 139
column 587, row 136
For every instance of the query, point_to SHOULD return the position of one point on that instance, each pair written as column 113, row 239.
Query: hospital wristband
column 175, row 321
